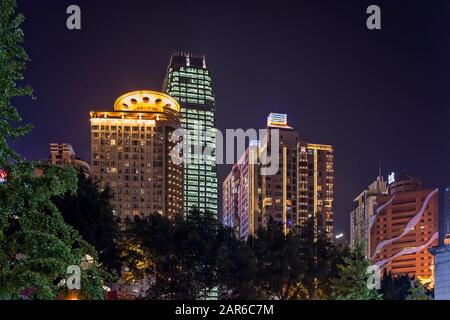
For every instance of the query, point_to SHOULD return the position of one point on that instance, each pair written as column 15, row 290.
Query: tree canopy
column 36, row 245
column 89, row 212
column 13, row 60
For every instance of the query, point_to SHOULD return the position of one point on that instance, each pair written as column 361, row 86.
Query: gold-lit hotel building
column 131, row 153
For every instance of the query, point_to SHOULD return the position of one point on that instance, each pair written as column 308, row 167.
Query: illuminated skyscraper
column 131, row 153
column 404, row 227
column 241, row 195
column 279, row 191
column 315, row 187
column 300, row 190
column 188, row 79
column 360, row 217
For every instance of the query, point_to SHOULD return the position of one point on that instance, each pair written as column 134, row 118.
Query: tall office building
column 242, row 196
column 301, row 188
column 279, row 191
column 63, row 154
column 404, row 227
column 315, row 186
column 360, row 217
column 131, row 152
column 188, row 79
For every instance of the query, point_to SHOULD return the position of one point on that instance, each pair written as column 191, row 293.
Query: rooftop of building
column 141, row 105
column 145, row 101
column 404, row 183
column 278, row 120
column 188, row 59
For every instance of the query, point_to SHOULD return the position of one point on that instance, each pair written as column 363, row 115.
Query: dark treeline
column 190, row 257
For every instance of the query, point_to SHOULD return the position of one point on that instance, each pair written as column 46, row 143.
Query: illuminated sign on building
column 2, row 176
column 277, row 120
column 391, row 178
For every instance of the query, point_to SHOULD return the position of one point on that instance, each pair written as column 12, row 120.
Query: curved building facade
column 131, row 154
column 404, row 227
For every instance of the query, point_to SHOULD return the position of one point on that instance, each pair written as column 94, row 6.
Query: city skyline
column 369, row 114
column 298, row 195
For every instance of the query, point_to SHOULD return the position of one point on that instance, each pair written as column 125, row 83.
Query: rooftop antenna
column 379, row 168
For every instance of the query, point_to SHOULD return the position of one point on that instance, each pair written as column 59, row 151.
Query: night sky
column 375, row 95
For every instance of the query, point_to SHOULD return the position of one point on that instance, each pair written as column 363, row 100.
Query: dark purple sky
column 375, row 95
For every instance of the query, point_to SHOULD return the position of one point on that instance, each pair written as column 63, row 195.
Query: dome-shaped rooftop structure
column 146, row 101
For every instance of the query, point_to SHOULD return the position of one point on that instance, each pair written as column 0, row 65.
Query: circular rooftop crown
column 146, row 100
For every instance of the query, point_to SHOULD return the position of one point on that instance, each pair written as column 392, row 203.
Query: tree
column 236, row 267
column 320, row 259
column 278, row 262
column 351, row 283
column 13, row 60
column 418, row 292
column 395, row 287
column 178, row 254
column 90, row 213
column 36, row 246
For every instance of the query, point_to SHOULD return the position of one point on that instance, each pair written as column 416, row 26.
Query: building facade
column 404, row 227
column 299, row 191
column 441, row 272
column 279, row 190
column 315, row 187
column 132, row 152
column 62, row 154
column 188, row 79
column 361, row 216
column 242, row 196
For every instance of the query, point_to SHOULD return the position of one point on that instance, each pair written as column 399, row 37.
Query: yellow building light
column 322, row 147
column 147, row 101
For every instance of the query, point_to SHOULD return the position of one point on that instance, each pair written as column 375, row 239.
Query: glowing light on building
column 133, row 143
column 189, row 80
column 391, row 178
column 277, row 120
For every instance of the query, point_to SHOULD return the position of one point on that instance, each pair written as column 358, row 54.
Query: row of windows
column 126, row 128
column 194, row 70
column 199, row 112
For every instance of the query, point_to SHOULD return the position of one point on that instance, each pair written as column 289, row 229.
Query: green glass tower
column 188, row 79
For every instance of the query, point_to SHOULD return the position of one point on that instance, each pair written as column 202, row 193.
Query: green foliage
column 179, row 253
column 279, row 265
column 36, row 246
column 13, row 60
column 186, row 257
column 351, row 282
column 418, row 292
column 236, row 268
column 395, row 288
column 90, row 213
column 320, row 259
